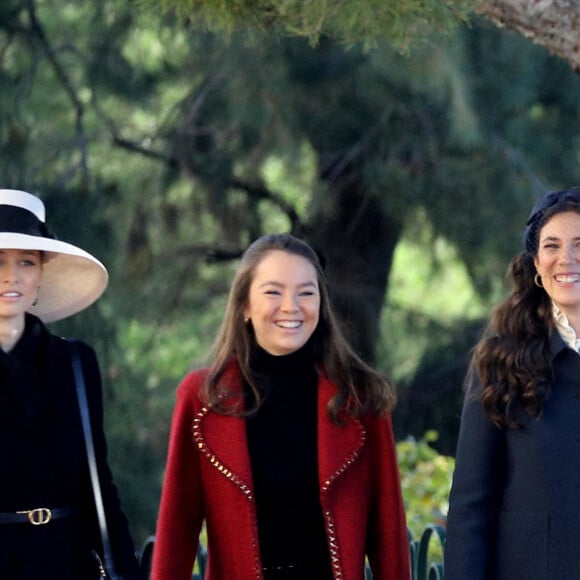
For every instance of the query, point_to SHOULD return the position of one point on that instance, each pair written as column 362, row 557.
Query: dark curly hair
column 513, row 360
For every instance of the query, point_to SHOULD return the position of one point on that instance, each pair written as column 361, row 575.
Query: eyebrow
column 557, row 239
column 22, row 252
column 280, row 285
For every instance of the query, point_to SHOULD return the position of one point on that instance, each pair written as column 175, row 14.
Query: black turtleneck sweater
column 282, row 441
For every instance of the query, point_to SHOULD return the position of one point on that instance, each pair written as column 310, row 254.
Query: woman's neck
column 11, row 330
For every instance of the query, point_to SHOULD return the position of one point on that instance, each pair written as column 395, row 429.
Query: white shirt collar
column 567, row 333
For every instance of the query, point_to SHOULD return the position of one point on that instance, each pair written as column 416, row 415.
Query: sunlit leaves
column 425, row 481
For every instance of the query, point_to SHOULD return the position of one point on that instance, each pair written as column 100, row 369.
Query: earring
column 36, row 299
column 246, row 320
column 538, row 280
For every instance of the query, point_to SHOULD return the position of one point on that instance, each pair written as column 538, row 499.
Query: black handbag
column 105, row 564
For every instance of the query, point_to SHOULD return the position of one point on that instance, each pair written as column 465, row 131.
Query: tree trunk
column 553, row 24
column 358, row 240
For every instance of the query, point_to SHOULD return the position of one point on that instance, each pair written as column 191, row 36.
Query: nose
column 568, row 255
column 289, row 303
column 8, row 272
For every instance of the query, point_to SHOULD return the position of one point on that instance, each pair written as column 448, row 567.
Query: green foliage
column 416, row 318
column 349, row 21
column 145, row 370
column 425, row 481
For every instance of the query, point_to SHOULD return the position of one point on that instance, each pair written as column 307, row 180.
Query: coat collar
column 557, row 343
column 338, row 445
column 222, row 438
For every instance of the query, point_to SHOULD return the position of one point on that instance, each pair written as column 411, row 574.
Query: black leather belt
column 36, row 517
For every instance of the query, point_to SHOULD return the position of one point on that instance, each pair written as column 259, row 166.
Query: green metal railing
column 426, row 556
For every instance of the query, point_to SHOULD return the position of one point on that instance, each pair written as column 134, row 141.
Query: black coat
column 515, row 501
column 43, row 463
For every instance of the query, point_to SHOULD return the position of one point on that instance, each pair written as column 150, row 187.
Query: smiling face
column 283, row 302
column 558, row 262
column 20, row 275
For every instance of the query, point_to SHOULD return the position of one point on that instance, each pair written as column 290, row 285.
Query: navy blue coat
column 515, row 500
column 44, row 463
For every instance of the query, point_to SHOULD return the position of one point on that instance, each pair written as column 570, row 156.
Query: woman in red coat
column 284, row 446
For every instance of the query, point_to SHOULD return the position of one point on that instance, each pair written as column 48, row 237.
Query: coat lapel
column 338, row 446
column 222, row 438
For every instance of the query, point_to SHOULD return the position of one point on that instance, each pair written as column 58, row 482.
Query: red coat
column 209, row 478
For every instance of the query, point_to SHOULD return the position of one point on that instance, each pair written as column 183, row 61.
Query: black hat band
column 17, row 220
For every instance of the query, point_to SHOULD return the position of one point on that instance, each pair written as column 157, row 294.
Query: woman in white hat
column 48, row 523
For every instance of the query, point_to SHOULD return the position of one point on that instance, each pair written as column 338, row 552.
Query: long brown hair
column 361, row 389
column 513, row 360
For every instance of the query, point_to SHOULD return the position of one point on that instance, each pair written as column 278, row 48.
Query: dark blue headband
column 545, row 202
column 18, row 220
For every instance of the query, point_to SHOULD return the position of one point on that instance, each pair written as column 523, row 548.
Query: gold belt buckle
column 38, row 516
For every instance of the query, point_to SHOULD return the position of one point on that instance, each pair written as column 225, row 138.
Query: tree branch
column 61, row 75
column 257, row 191
column 553, row 24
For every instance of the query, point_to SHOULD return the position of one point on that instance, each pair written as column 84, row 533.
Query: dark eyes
column 555, row 247
column 23, row 263
column 279, row 293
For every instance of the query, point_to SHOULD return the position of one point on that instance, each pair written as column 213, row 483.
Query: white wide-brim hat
column 72, row 279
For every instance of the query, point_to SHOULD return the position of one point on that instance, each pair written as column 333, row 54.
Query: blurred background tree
column 165, row 151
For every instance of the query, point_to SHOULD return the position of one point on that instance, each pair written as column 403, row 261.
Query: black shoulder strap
column 88, row 436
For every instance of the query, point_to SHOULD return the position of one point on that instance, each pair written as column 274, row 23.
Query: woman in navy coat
column 514, row 508
column 48, row 525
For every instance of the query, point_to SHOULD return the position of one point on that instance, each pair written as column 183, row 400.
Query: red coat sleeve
column 387, row 537
column 181, row 509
